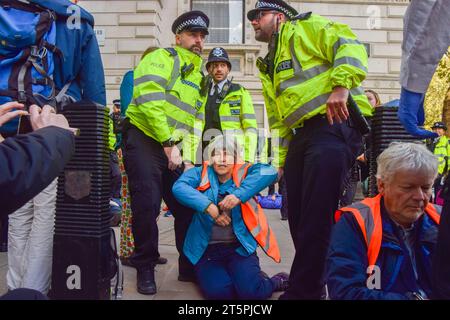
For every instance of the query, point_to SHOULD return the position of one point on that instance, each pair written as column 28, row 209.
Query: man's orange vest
column 252, row 213
column 368, row 215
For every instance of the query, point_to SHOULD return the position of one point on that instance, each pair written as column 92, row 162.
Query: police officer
column 229, row 108
column 312, row 66
column 441, row 148
column 163, row 116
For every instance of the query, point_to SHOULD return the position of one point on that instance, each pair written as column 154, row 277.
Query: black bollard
column 81, row 251
column 386, row 128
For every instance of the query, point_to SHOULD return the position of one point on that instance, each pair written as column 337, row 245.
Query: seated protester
column 218, row 241
column 382, row 247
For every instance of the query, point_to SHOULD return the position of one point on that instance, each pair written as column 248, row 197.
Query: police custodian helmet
column 218, row 54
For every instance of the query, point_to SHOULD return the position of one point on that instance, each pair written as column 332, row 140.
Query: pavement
column 168, row 287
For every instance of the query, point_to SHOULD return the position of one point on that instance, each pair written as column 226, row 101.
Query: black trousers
column 282, row 189
column 150, row 180
column 116, row 177
column 23, row 294
column 441, row 258
column 349, row 187
column 319, row 158
column 4, row 234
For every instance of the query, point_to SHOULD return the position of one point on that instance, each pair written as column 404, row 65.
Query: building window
column 225, row 20
column 235, row 64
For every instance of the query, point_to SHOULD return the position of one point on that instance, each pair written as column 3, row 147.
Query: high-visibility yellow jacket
column 166, row 98
column 112, row 139
column 442, row 150
column 313, row 56
column 238, row 119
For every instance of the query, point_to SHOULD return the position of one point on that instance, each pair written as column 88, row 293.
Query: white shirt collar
column 220, row 85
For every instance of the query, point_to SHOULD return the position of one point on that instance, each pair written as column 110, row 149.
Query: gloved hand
column 411, row 114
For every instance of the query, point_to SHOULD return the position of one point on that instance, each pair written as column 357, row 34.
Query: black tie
column 216, row 89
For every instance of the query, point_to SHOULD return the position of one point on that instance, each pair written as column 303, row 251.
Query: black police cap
column 439, row 125
column 272, row 5
column 218, row 54
column 192, row 21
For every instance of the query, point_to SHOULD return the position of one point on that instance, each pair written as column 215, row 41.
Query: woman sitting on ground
column 218, row 241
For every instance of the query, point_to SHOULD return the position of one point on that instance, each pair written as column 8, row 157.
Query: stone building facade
column 127, row 27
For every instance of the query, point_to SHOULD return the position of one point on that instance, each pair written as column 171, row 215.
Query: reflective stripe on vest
column 252, row 213
column 368, row 215
column 204, row 183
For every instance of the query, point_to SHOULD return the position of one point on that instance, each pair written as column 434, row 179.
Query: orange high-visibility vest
column 253, row 215
column 368, row 215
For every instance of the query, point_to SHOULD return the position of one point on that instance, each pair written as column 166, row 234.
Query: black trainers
column 146, row 281
column 186, row 277
column 280, row 281
column 161, row 260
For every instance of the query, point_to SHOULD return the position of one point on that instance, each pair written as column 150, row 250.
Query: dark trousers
column 224, row 274
column 116, row 177
column 282, row 189
column 349, row 187
column 441, row 258
column 4, row 234
column 150, row 180
column 23, row 294
column 319, row 158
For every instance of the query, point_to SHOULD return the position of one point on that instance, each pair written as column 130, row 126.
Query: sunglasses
column 263, row 13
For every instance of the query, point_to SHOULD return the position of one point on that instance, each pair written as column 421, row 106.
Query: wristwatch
column 168, row 143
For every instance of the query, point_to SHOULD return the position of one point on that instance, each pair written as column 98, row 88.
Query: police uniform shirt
column 212, row 117
column 219, row 86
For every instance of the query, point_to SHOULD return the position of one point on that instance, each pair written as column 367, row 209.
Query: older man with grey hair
column 382, row 247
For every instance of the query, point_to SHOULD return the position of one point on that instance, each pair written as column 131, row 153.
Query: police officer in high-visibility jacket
column 440, row 146
column 163, row 115
column 229, row 108
column 312, row 66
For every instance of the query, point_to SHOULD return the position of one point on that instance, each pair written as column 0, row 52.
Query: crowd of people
column 193, row 141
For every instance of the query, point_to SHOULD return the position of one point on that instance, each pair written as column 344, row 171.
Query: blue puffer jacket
column 81, row 64
column 259, row 176
column 347, row 261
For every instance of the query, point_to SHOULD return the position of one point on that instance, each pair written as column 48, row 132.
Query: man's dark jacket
column 441, row 262
column 28, row 163
column 347, row 260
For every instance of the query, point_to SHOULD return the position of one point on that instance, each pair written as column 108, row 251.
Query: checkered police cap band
column 197, row 22
column 265, row 5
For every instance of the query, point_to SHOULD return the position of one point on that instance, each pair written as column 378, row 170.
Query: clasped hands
column 226, row 205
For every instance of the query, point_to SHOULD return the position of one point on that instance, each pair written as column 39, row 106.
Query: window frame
column 242, row 21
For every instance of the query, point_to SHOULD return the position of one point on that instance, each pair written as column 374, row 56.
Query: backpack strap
column 63, row 91
column 35, row 53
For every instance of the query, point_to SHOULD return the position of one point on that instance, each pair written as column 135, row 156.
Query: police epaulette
column 234, row 87
column 302, row 16
column 172, row 51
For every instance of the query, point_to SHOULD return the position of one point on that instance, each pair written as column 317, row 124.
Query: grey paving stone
column 168, row 287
